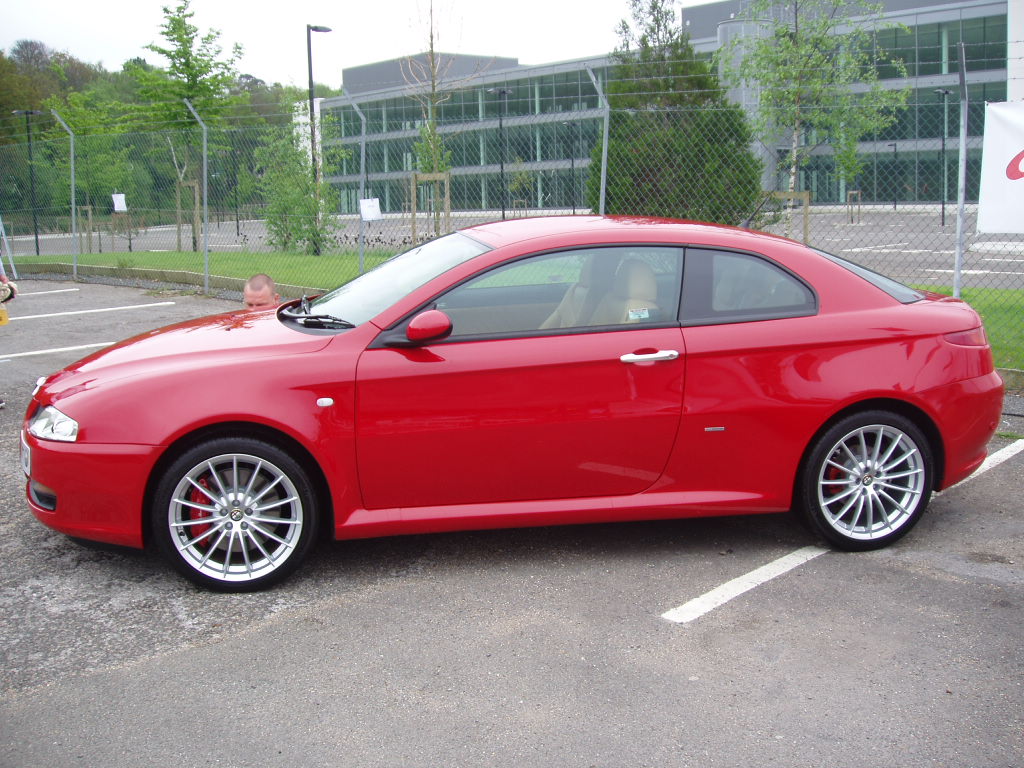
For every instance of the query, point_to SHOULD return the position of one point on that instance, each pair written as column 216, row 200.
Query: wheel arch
column 902, row 408
column 240, row 429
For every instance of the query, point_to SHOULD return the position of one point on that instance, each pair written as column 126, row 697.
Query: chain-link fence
column 151, row 208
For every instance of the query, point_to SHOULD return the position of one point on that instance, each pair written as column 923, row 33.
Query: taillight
column 972, row 338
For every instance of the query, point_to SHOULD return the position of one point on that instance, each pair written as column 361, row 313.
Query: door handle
column 650, row 357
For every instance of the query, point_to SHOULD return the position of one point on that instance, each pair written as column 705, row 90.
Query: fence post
column 604, row 139
column 6, row 245
column 206, row 210
column 74, row 211
column 362, row 179
column 961, row 184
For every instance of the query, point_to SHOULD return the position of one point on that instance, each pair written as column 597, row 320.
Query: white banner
column 1001, row 201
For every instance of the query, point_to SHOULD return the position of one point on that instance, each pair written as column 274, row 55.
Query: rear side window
column 730, row 287
column 902, row 293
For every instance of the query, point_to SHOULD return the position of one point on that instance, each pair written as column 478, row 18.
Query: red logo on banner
column 1015, row 170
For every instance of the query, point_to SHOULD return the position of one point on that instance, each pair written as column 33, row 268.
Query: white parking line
column 975, row 272
column 726, row 592
column 90, row 311
column 22, row 294
column 880, row 246
column 697, row 607
column 6, row 358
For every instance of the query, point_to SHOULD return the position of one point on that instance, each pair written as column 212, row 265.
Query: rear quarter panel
column 756, row 393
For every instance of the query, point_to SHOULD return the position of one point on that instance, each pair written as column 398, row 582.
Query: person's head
column 260, row 293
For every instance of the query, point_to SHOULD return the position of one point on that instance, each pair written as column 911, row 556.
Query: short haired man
column 260, row 292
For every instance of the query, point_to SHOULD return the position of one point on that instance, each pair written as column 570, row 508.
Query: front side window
column 568, row 291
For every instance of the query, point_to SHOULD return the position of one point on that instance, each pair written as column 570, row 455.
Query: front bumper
column 89, row 491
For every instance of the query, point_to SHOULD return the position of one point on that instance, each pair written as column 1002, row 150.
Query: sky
column 273, row 35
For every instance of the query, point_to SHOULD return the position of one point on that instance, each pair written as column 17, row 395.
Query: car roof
column 612, row 228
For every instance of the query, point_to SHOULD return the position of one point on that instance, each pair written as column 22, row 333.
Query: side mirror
column 432, row 325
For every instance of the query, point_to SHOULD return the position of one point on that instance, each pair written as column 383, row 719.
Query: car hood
column 236, row 338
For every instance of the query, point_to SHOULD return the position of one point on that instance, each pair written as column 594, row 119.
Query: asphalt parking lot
column 505, row 648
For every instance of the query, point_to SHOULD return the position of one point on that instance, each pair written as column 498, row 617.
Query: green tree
column 261, row 103
column 656, row 66
column 102, row 163
column 73, row 74
column 694, row 164
column 816, row 68
column 298, row 210
column 197, row 71
column 32, row 76
column 121, row 87
column 431, row 154
column 675, row 147
column 16, row 92
column 32, row 60
column 109, row 156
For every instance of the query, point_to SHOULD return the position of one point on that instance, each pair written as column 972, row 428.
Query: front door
column 582, row 411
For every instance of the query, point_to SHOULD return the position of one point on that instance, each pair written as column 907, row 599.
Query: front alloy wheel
column 234, row 514
column 867, row 481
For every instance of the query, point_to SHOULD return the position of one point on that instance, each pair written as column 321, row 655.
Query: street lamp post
column 503, row 94
column 31, row 170
column 944, row 93
column 310, row 29
column 895, row 186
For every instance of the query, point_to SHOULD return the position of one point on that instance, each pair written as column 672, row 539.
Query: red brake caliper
column 834, row 473
column 199, row 497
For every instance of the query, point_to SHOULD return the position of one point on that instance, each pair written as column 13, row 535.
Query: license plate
column 26, row 456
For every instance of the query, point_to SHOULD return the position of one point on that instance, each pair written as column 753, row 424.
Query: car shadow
column 609, row 544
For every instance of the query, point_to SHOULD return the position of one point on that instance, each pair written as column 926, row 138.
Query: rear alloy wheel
column 234, row 514
column 867, row 480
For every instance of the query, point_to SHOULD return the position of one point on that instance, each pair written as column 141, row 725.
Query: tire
column 867, row 481
column 234, row 514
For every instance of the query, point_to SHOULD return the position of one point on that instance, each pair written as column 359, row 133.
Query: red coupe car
column 534, row 372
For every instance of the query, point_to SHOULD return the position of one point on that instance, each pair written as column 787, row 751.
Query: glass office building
column 522, row 137
column 539, row 122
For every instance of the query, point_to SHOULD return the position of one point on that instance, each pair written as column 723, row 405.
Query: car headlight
column 50, row 424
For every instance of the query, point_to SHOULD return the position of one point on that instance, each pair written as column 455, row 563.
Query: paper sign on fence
column 1001, row 201
column 369, row 209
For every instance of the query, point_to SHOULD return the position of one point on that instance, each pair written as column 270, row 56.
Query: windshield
column 370, row 294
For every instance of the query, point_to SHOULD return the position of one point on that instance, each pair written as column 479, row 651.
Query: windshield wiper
column 308, row 320
column 322, row 321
